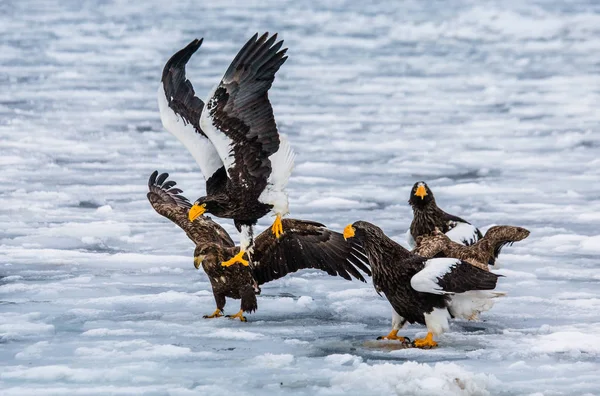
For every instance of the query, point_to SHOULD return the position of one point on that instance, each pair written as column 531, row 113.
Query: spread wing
column 180, row 111
column 306, row 244
column 461, row 231
column 450, row 275
column 238, row 117
column 499, row 236
column 167, row 200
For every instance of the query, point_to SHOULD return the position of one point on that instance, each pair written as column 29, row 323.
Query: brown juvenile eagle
column 422, row 290
column 304, row 244
column 233, row 137
column 483, row 252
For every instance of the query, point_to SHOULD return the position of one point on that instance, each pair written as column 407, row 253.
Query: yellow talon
column 277, row 227
column 238, row 258
column 239, row 316
column 392, row 336
column 217, row 314
column 426, row 342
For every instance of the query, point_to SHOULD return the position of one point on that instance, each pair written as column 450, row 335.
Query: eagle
column 427, row 216
column 305, row 244
column 233, row 137
column 422, row 290
column 483, row 252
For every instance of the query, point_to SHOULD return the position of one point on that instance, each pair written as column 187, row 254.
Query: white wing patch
column 426, row 280
column 463, row 233
column 410, row 240
column 221, row 142
column 282, row 165
column 199, row 146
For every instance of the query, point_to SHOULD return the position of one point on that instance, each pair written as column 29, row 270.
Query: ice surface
column 493, row 103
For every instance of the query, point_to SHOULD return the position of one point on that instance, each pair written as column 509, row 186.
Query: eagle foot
column 425, row 343
column 393, row 336
column 238, row 258
column 217, row 314
column 238, row 315
column 277, row 227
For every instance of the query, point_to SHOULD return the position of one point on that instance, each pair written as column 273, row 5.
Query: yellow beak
column 196, row 211
column 421, row 192
column 198, row 261
column 349, row 231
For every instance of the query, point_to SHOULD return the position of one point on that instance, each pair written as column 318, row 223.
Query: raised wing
column 450, row 276
column 306, row 244
column 499, row 236
column 180, row 111
column 238, row 117
column 167, row 200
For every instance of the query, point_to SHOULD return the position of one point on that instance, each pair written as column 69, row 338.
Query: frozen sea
column 493, row 103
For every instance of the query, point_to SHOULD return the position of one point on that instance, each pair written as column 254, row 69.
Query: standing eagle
column 422, row 290
column 233, row 137
column 480, row 254
column 305, row 244
column 427, row 216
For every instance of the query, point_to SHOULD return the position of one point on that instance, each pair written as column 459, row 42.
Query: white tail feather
column 470, row 304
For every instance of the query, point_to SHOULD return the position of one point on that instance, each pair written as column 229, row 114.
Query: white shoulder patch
column 199, row 146
column 463, row 233
column 426, row 280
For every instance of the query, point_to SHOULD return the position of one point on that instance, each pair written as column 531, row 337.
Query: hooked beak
column 421, row 192
column 198, row 261
column 196, row 211
column 349, row 231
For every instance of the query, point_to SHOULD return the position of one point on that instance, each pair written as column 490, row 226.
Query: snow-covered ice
column 493, row 103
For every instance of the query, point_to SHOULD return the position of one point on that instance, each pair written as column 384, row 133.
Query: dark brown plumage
column 421, row 290
column 167, row 200
column 303, row 245
column 427, row 216
column 484, row 251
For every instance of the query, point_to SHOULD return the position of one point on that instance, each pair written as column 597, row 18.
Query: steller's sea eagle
column 233, row 137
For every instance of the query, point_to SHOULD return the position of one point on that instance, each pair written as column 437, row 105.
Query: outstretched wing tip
column 158, row 186
column 305, row 245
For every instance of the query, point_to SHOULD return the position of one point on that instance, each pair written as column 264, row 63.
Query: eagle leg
column 277, row 227
column 217, row 314
column 238, row 315
column 425, row 343
column 238, row 258
column 393, row 336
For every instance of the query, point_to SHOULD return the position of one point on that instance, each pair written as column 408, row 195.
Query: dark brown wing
column 167, row 200
column 238, row 118
column 306, row 244
column 430, row 245
column 499, row 236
